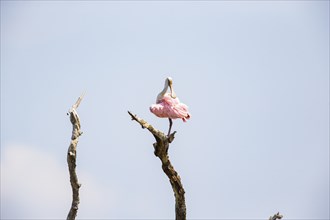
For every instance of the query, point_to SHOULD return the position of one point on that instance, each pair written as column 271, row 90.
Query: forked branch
column 71, row 158
column 161, row 151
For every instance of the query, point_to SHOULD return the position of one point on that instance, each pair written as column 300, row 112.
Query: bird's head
column 169, row 82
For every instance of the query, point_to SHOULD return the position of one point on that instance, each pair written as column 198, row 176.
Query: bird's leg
column 169, row 129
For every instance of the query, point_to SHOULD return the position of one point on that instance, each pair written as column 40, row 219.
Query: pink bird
column 169, row 106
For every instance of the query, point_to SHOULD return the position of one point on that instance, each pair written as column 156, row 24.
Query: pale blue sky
column 255, row 75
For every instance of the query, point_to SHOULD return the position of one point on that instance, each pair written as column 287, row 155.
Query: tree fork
column 161, row 151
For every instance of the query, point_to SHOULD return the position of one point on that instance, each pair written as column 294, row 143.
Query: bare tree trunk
column 161, row 151
column 71, row 159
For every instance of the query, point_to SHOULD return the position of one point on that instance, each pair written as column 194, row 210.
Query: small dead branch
column 276, row 216
column 161, row 151
column 71, row 158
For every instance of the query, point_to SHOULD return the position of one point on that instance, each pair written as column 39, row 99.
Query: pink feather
column 169, row 107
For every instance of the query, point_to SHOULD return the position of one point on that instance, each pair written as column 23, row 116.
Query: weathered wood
column 161, row 151
column 71, row 159
column 276, row 216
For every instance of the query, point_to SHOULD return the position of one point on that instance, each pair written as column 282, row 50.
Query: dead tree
column 71, row 159
column 161, row 151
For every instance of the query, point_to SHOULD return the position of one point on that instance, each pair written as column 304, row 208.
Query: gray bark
column 161, row 151
column 71, row 159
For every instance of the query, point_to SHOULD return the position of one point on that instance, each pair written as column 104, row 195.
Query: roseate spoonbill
column 169, row 106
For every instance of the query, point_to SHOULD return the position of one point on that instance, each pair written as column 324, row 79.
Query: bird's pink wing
column 159, row 110
column 169, row 107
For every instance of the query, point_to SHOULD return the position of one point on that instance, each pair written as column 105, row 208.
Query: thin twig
column 276, row 216
column 71, row 159
column 161, row 151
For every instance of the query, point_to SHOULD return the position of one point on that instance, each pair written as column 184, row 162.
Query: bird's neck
column 162, row 93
